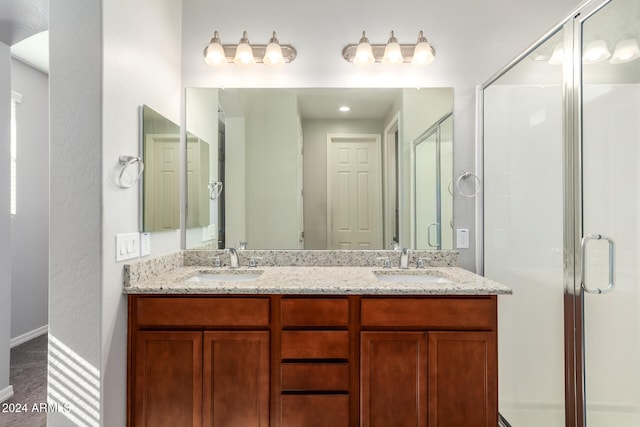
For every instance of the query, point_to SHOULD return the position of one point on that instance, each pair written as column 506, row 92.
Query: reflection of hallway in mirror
column 353, row 195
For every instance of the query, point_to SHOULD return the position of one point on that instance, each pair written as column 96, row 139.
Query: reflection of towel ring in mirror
column 125, row 162
column 465, row 175
column 215, row 189
column 450, row 186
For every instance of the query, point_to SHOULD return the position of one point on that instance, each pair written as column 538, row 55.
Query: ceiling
column 20, row 19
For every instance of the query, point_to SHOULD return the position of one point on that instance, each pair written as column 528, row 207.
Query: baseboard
column 7, row 393
column 28, row 336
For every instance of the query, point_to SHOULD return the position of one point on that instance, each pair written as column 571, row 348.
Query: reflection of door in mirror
column 354, row 192
column 160, row 189
column 433, row 163
column 162, row 182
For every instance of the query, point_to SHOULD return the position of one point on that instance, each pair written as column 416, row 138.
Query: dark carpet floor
column 29, row 381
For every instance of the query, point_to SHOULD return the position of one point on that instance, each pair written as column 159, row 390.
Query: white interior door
column 354, row 192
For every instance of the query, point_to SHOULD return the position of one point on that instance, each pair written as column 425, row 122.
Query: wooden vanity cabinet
column 198, row 361
column 312, row 361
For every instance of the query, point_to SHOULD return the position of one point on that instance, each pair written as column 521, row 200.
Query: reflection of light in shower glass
column 596, row 51
column 557, row 57
column 625, row 51
column 73, row 383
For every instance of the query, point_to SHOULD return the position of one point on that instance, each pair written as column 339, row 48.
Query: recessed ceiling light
column 344, row 108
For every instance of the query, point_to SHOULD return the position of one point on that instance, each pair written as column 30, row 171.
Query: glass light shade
column 214, row 55
column 625, row 51
column 596, row 51
column 244, row 55
column 423, row 54
column 364, row 54
column 392, row 54
column 273, row 55
column 557, row 57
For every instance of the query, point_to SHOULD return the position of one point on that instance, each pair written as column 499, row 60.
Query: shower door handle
column 583, row 278
column 429, row 234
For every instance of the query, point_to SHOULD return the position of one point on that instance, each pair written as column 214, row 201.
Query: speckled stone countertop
column 173, row 276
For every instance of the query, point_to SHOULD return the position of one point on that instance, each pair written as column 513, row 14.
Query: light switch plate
column 462, row 238
column 127, row 246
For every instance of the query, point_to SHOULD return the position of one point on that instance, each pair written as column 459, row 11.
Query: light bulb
column 214, row 53
column 392, row 52
column 557, row 57
column 244, row 53
column 596, row 51
column 364, row 53
column 273, row 53
column 423, row 53
column 625, row 51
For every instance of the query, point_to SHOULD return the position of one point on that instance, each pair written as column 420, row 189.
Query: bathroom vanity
column 312, row 346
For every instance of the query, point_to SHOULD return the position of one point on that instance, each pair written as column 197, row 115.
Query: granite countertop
column 314, row 280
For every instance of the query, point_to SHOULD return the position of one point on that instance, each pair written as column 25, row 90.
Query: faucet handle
column 421, row 262
column 242, row 246
column 216, row 261
column 385, row 261
column 253, row 262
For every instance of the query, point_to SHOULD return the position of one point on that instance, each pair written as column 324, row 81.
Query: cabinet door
column 463, row 379
column 168, row 379
column 393, row 379
column 236, row 379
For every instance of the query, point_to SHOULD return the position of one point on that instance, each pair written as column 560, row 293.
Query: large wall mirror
column 291, row 169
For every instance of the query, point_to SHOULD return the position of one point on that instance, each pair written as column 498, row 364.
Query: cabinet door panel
column 393, row 379
column 462, row 379
column 236, row 379
column 168, row 379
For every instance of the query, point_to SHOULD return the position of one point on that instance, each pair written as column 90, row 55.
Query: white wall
column 473, row 40
column 141, row 65
column 75, row 243
column 30, row 227
column 5, row 230
column 271, row 195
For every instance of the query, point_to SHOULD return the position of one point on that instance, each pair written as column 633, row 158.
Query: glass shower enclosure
column 561, row 147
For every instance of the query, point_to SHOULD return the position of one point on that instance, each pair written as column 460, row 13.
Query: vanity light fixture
column 245, row 54
column 625, row 51
column 364, row 53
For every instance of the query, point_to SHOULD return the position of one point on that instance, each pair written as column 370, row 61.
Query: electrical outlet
column 145, row 244
column 462, row 238
column 127, row 246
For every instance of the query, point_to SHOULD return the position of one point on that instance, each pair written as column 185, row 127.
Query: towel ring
column 465, row 175
column 125, row 162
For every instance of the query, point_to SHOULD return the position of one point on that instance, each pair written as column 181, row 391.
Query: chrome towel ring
column 465, row 175
column 125, row 162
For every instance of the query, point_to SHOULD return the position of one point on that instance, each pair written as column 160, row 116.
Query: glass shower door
column 610, row 129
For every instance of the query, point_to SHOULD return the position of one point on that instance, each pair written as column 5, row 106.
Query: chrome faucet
column 404, row 258
column 233, row 258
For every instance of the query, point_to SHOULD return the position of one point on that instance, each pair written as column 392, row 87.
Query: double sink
column 394, row 276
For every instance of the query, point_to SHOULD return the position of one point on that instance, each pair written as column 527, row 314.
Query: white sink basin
column 397, row 277
column 226, row 276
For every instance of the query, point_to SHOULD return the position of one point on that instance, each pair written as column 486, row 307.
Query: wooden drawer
column 315, row 410
column 202, row 311
column 474, row 313
column 315, row 377
column 315, row 312
column 315, row 345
